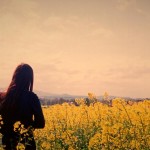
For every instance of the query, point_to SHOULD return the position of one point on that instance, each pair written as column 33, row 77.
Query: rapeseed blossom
column 121, row 125
column 99, row 126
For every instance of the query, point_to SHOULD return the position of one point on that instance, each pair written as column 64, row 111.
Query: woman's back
column 26, row 109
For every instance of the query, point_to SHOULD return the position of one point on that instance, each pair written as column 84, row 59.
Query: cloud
column 136, row 5
column 101, row 32
column 19, row 8
column 128, row 73
column 125, row 4
column 74, row 26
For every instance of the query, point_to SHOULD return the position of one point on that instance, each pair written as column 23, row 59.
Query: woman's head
column 22, row 78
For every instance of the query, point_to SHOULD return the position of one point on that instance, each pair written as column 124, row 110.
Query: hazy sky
column 78, row 46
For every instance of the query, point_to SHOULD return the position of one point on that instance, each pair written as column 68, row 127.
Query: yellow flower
column 17, row 125
column 20, row 146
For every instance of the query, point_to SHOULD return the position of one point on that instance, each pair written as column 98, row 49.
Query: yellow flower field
column 121, row 126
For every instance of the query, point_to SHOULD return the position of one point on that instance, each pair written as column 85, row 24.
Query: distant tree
column 106, row 96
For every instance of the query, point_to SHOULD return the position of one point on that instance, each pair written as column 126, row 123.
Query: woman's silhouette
column 19, row 103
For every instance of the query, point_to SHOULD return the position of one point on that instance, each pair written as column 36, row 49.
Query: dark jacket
column 28, row 111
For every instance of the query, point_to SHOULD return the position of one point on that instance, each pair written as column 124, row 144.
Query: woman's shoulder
column 33, row 99
column 32, row 95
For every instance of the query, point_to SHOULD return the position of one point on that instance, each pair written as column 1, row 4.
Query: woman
column 19, row 103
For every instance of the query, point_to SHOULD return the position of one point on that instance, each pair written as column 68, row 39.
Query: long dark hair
column 22, row 80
